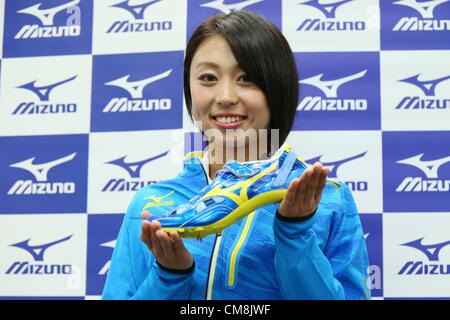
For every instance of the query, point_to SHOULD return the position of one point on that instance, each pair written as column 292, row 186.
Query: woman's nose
column 226, row 95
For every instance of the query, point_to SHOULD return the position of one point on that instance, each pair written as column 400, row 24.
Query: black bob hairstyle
column 263, row 53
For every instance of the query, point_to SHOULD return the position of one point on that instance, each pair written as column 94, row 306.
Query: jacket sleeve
column 159, row 284
column 304, row 271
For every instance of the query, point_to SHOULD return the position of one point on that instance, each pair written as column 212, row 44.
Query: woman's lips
column 225, row 124
column 231, row 125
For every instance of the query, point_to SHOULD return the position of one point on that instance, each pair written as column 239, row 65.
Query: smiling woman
column 224, row 98
column 254, row 78
column 272, row 228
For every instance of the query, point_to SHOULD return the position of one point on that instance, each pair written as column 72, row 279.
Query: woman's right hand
column 168, row 249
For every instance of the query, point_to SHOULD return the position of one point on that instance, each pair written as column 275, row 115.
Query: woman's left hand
column 304, row 193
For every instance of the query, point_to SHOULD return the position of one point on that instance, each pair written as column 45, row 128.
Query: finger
column 153, row 239
column 145, row 214
column 303, row 184
column 321, row 184
column 292, row 190
column 178, row 244
column 156, row 224
column 144, row 233
column 158, row 249
column 310, row 192
column 317, row 169
column 305, row 177
column 324, row 176
column 166, row 242
column 146, row 230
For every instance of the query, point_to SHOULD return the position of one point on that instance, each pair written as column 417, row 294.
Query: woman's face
column 223, row 96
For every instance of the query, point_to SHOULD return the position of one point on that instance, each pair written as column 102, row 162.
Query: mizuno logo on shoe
column 160, row 198
column 157, row 201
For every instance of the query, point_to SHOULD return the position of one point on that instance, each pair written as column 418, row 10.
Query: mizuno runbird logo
column 424, row 8
column 157, row 201
column 330, row 87
column 136, row 88
column 227, row 8
column 43, row 92
column 136, row 10
column 334, row 165
column 430, row 250
column 38, row 251
column 105, row 268
column 40, row 171
column 46, row 16
column 428, row 87
column 430, row 168
column 328, row 9
column 134, row 168
column 160, row 198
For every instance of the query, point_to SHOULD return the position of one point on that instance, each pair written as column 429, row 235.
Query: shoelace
column 239, row 170
column 285, row 169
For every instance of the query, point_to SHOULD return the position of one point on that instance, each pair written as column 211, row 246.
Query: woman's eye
column 245, row 78
column 207, row 77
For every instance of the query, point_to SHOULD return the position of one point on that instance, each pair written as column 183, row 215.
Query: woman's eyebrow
column 212, row 65
column 207, row 64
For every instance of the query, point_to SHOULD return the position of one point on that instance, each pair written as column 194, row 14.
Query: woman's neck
column 218, row 156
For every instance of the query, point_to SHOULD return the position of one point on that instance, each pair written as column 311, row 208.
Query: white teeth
column 228, row 119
